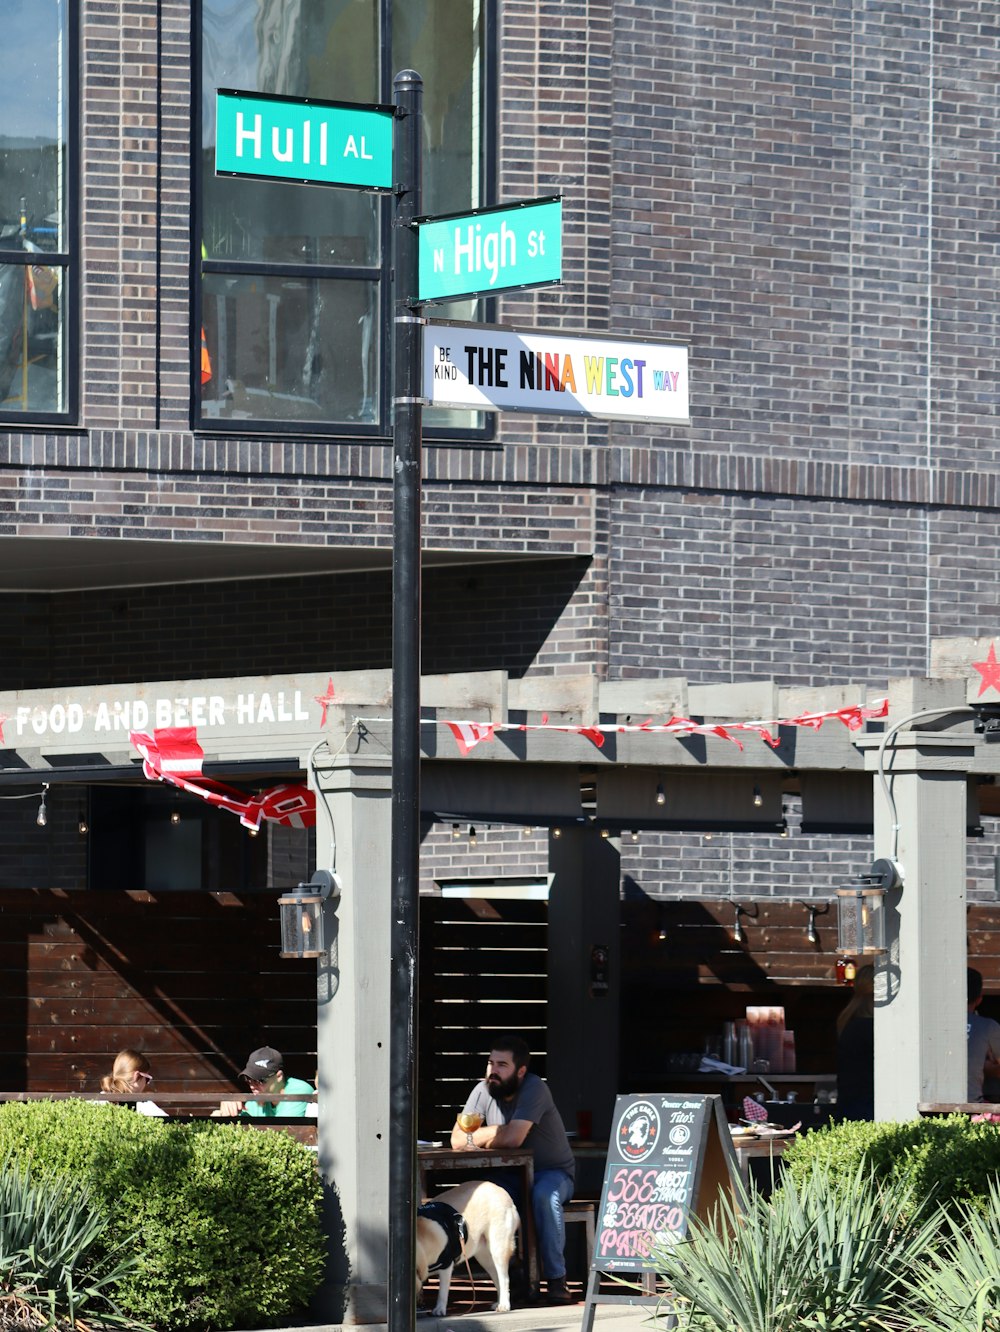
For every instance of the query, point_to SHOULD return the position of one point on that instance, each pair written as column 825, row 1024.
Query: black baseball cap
column 263, row 1064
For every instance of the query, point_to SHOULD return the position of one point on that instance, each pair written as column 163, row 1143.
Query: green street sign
column 303, row 140
column 489, row 250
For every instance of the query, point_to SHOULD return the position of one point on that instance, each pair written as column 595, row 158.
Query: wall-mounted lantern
column 301, row 915
column 861, row 910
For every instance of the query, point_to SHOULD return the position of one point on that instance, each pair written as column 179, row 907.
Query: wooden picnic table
column 432, row 1160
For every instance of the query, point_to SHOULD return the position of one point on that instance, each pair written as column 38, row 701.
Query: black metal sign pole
column 406, row 467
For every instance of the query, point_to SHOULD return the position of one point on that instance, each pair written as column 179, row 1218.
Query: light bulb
column 557, row 832
column 456, row 831
column 472, row 836
column 758, row 799
column 635, row 834
column 42, row 817
column 175, row 817
column 661, row 795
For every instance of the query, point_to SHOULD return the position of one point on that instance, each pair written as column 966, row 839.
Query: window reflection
column 33, row 118
column 297, row 48
column 31, row 338
column 33, row 205
column 289, row 349
column 442, row 41
column 284, row 348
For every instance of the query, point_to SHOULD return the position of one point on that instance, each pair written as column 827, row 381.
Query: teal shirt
column 286, row 1109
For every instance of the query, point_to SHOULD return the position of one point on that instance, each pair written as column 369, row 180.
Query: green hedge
column 227, row 1217
column 948, row 1158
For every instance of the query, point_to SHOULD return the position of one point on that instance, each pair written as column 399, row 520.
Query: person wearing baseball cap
column 265, row 1075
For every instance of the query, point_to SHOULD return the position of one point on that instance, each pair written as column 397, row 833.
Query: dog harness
column 453, row 1224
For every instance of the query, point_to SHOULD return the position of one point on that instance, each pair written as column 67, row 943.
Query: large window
column 35, row 211
column 292, row 298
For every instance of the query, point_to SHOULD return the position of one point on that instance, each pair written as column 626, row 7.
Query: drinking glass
column 468, row 1123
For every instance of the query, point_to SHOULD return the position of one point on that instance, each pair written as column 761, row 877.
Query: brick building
column 804, row 194
column 196, row 467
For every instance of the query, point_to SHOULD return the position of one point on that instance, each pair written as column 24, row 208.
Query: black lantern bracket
column 324, row 883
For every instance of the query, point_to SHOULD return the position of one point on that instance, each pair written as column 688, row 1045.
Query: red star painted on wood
column 989, row 670
column 324, row 700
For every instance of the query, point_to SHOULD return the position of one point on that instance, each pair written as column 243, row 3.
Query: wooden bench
column 581, row 1210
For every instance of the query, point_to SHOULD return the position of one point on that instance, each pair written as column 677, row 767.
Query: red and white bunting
column 173, row 755
column 469, row 734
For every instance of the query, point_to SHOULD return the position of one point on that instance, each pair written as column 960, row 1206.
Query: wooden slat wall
column 192, row 979
column 195, row 980
column 483, row 970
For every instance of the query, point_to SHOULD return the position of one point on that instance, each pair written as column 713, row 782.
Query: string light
column 557, row 833
column 758, row 799
column 456, row 832
column 472, row 836
column 42, row 817
column 83, row 827
column 661, row 795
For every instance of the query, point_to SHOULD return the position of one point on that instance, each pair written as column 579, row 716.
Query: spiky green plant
column 814, row 1258
column 957, row 1287
column 53, row 1255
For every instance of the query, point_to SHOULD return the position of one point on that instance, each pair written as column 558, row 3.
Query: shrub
column 949, row 1158
column 817, row 1256
column 227, row 1218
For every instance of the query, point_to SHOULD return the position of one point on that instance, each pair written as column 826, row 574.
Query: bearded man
column 518, row 1111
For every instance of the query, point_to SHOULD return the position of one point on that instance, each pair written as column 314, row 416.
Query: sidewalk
column 543, row 1318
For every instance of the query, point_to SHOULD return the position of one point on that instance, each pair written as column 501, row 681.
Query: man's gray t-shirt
column 533, row 1100
column 984, row 1043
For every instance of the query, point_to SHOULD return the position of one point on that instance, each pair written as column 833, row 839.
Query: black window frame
column 67, row 261
column 379, row 273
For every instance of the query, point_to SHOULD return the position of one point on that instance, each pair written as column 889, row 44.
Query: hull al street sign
column 490, row 369
column 303, row 140
column 505, row 248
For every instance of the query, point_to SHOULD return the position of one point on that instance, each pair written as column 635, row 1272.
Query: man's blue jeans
column 551, row 1189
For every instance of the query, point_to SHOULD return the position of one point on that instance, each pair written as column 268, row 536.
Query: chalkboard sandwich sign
column 669, row 1158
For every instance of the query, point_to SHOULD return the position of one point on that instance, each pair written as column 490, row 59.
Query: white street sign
column 490, row 369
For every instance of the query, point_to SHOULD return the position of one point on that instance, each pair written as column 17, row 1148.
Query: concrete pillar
column 584, row 914
column 353, row 1037
column 920, row 1007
